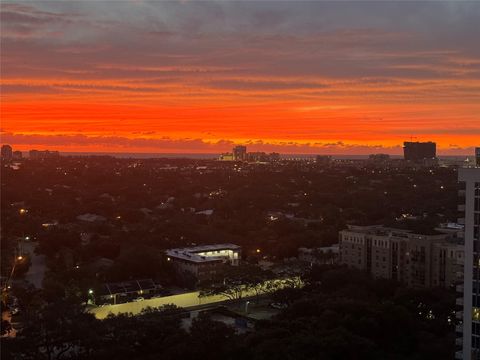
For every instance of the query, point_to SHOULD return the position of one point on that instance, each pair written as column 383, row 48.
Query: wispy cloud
column 358, row 72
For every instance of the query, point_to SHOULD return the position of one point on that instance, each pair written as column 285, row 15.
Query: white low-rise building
column 203, row 261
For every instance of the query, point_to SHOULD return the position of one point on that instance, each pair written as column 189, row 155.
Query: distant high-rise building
column 471, row 281
column 6, row 152
column 240, row 153
column 477, row 156
column 419, row 151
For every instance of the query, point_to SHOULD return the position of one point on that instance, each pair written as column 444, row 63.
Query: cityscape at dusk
column 239, row 180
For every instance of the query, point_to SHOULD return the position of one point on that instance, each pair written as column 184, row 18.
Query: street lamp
column 90, row 297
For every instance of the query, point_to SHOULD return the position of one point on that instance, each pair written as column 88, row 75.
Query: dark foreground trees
column 339, row 314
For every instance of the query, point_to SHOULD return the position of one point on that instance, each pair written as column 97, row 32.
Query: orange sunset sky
column 348, row 77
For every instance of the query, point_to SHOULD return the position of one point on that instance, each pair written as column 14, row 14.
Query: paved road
column 36, row 272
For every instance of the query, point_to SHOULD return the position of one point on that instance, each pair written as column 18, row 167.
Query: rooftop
column 192, row 253
column 127, row 287
column 380, row 230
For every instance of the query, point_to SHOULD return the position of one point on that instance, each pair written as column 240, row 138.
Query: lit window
column 476, row 313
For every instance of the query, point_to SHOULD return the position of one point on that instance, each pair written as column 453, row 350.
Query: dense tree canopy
column 339, row 314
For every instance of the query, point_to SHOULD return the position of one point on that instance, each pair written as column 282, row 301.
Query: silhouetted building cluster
column 239, row 153
column 262, row 157
column 41, row 155
column 8, row 154
column 379, row 158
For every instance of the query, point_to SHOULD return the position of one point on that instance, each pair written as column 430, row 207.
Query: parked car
column 279, row 306
column 138, row 299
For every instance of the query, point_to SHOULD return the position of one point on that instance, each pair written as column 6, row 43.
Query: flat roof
column 379, row 230
column 191, row 253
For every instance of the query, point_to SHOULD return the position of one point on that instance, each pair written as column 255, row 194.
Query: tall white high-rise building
column 471, row 287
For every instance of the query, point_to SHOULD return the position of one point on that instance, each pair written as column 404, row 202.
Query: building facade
column 413, row 259
column 469, row 332
column 203, row 262
column 240, row 153
column 419, row 151
column 7, row 152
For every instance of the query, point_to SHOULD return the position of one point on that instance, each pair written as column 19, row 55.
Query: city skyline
column 187, row 77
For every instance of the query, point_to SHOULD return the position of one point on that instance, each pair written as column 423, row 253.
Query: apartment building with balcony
column 413, row 259
column 468, row 330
